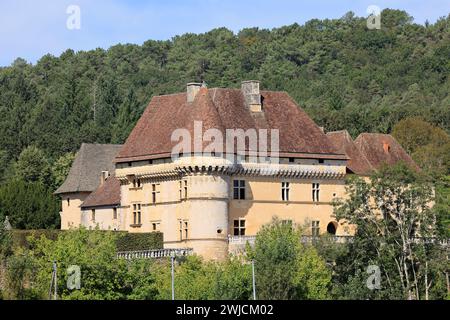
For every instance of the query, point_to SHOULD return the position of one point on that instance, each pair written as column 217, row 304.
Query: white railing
column 154, row 254
column 241, row 240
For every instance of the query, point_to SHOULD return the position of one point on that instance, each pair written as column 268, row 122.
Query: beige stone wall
column 104, row 219
column 263, row 202
column 209, row 209
column 71, row 210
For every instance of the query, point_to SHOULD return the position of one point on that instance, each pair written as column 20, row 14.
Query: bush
column 139, row 241
column 20, row 238
column 286, row 269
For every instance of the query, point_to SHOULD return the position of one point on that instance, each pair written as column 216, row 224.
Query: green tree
column 61, row 168
column 285, row 268
column 395, row 230
column 33, row 166
column 414, row 133
column 29, row 205
column 103, row 276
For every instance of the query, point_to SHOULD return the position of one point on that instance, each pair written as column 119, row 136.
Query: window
column 321, row 161
column 239, row 227
column 137, row 214
column 291, row 160
column 315, row 192
column 315, row 229
column 114, row 213
column 155, row 226
column 183, row 189
column 184, row 229
column 286, row 222
column 154, row 193
column 68, row 202
column 93, row 215
column 136, row 183
column 285, row 191
column 239, row 189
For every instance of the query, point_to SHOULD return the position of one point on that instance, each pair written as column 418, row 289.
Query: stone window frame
column 285, row 190
column 239, row 227
column 239, row 189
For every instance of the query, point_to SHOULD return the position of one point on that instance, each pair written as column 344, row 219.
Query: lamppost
column 172, row 258
column 253, row 279
column 54, row 283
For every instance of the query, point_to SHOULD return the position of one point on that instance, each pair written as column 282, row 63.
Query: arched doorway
column 331, row 228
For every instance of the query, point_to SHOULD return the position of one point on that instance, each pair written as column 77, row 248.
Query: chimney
column 252, row 96
column 104, row 176
column 192, row 89
column 386, row 147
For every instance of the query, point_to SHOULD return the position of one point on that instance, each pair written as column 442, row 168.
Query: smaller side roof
column 343, row 142
column 90, row 161
column 382, row 149
column 107, row 194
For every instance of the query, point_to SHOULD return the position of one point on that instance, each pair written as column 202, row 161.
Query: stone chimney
column 192, row 89
column 103, row 177
column 252, row 96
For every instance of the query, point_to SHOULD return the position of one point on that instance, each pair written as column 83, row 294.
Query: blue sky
column 32, row 28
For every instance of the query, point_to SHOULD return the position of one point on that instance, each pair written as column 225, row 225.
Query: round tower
column 208, row 214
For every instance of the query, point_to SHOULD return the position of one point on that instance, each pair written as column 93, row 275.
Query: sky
column 32, row 28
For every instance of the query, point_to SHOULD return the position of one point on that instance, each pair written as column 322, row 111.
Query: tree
column 429, row 145
column 29, row 205
column 33, row 166
column 61, row 168
column 287, row 269
column 103, row 276
column 396, row 231
column 414, row 133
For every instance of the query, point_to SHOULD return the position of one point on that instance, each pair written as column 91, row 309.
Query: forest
column 393, row 80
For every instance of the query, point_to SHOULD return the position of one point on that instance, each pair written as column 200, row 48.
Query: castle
column 208, row 201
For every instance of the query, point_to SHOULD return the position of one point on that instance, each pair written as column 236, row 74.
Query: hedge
column 140, row 241
column 20, row 237
column 126, row 241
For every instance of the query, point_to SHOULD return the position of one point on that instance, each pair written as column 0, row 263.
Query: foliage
column 103, row 276
column 29, row 205
column 32, row 166
column 140, row 241
column 442, row 207
column 287, row 269
column 61, row 168
column 428, row 144
column 19, row 273
column 20, row 238
column 336, row 69
column 196, row 279
column 396, row 228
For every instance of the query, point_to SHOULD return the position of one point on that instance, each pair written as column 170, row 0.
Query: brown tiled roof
column 382, row 149
column 90, row 161
column 343, row 142
column 108, row 194
column 225, row 109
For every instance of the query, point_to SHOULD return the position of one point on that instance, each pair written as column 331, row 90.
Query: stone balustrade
column 154, row 254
